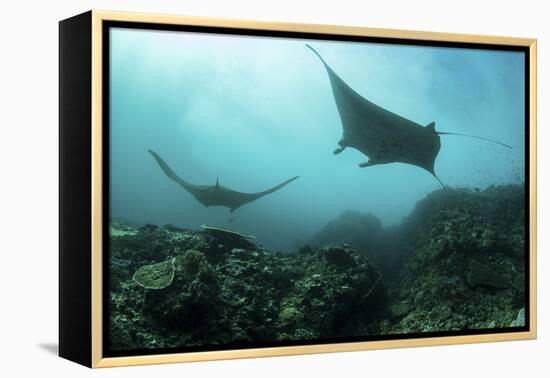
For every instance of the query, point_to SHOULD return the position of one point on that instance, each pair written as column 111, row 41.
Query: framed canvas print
column 235, row 189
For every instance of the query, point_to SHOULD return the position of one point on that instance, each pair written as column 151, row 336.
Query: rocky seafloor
column 456, row 263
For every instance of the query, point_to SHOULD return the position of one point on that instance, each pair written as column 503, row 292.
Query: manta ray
column 383, row 136
column 216, row 195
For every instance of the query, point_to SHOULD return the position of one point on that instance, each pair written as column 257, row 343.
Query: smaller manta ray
column 216, row 195
column 383, row 136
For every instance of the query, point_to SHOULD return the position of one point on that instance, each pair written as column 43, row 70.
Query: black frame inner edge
column 107, row 25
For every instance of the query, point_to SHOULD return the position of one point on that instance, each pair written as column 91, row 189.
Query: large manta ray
column 384, row 137
column 216, row 195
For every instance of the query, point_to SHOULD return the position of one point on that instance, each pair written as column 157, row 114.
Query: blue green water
column 255, row 111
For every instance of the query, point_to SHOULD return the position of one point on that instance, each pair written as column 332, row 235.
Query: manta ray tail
column 440, row 182
column 432, row 172
column 475, row 136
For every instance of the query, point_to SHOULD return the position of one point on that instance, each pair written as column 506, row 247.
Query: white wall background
column 28, row 186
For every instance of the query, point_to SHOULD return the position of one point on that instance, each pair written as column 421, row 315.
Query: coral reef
column 456, row 263
column 185, row 288
column 365, row 233
column 481, row 275
column 225, row 233
column 156, row 276
column 466, row 251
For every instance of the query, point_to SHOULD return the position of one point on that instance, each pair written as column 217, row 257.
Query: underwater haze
column 253, row 112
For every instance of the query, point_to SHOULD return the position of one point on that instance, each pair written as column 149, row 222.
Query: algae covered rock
column 290, row 315
column 254, row 283
column 365, row 233
column 117, row 229
column 481, row 275
column 340, row 293
column 339, row 256
column 518, row 282
column 156, row 276
column 520, row 320
column 193, row 296
column 400, row 309
column 225, row 232
column 119, row 332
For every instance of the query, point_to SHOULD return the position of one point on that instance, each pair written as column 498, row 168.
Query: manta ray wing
column 244, row 198
column 195, row 190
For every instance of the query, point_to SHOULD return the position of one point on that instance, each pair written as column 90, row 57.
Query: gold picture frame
column 90, row 267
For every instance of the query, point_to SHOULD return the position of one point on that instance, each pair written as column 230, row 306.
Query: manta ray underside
column 383, row 136
column 216, row 195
